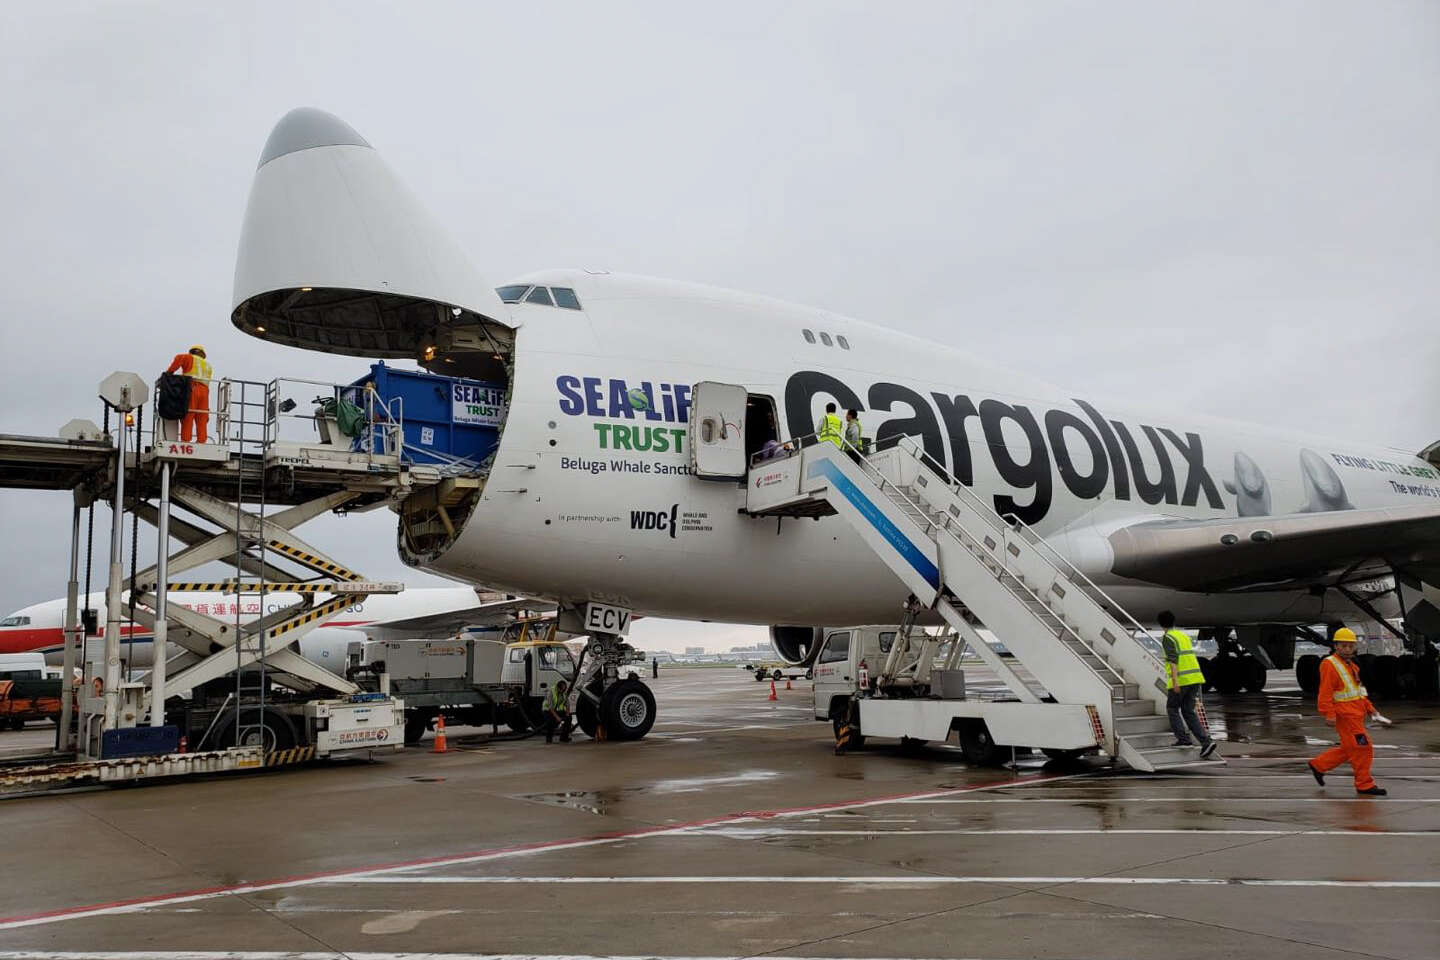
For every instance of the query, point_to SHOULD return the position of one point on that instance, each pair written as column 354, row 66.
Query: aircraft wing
column 1281, row 551
column 490, row 610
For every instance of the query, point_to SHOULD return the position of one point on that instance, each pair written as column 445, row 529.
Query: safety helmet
column 198, row 349
column 1344, row 635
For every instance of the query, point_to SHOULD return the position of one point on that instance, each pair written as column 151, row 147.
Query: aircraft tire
column 628, row 710
column 1255, row 675
column 979, row 747
column 587, row 716
column 1228, row 678
column 1307, row 673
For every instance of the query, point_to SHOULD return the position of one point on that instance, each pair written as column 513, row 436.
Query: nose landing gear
column 612, row 704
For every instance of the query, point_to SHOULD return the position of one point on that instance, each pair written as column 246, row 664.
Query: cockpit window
column 565, row 297
column 15, row 622
column 540, row 295
column 514, row 293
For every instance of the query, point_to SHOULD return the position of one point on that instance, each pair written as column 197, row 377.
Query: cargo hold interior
column 452, row 411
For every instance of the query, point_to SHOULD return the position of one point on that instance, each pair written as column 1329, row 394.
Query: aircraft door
column 717, row 431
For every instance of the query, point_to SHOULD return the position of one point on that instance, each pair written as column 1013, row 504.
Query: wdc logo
column 661, row 520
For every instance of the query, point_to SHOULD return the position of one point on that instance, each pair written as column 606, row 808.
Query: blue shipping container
column 447, row 420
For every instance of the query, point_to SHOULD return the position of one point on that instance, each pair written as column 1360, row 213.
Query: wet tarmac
column 733, row 831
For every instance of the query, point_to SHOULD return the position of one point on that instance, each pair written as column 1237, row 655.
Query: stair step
column 1170, row 756
column 1151, row 739
column 1133, row 708
column 1126, row 691
column 1128, row 726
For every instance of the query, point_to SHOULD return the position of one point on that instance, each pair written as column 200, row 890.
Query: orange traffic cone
column 439, row 746
column 772, row 691
column 787, row 684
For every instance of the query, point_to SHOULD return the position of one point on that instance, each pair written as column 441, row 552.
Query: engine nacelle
column 797, row 646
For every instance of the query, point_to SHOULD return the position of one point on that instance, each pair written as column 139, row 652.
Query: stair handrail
column 951, row 524
column 1034, row 539
column 1028, row 532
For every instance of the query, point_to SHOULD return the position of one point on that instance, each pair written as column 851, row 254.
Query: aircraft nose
column 307, row 127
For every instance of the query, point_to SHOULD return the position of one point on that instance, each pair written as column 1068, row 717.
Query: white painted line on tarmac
column 141, row 904
column 911, row 880
column 354, row 955
column 1123, row 799
column 746, row 832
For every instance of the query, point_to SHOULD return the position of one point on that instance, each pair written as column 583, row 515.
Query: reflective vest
column 1350, row 687
column 831, row 430
column 1187, row 667
column 852, row 433
column 200, row 368
column 555, row 700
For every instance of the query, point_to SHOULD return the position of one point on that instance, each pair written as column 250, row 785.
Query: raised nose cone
column 305, row 128
column 337, row 255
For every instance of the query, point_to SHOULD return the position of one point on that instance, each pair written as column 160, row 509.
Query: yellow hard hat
column 198, row 349
column 1344, row 635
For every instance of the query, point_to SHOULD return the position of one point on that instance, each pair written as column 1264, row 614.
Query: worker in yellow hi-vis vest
column 830, row 429
column 196, row 421
column 1185, row 680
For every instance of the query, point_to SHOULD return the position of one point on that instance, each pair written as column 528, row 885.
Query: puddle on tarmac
column 598, row 802
column 695, row 784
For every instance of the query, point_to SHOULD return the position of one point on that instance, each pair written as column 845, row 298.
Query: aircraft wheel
column 628, row 709
column 587, row 716
column 1385, row 672
column 979, row 747
column 1227, row 677
column 1307, row 673
column 1255, row 674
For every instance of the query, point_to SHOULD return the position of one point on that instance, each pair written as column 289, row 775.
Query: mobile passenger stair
column 1088, row 678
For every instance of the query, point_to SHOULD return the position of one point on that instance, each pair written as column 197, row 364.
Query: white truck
column 866, row 687
column 478, row 677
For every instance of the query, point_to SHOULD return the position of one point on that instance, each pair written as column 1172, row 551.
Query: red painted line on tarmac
column 201, row 892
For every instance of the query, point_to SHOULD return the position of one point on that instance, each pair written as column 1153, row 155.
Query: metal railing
column 961, row 533
column 1062, row 563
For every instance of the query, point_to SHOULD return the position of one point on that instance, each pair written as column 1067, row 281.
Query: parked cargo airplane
column 616, row 479
column 423, row 612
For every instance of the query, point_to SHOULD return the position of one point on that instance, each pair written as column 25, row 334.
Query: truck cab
column 837, row 665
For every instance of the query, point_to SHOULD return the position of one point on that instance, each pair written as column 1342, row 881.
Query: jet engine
column 797, row 646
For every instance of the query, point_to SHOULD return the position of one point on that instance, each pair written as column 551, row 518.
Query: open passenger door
column 717, row 431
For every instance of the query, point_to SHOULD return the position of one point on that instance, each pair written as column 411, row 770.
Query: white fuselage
column 591, row 497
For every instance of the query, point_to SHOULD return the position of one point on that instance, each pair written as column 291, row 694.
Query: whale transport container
column 447, row 421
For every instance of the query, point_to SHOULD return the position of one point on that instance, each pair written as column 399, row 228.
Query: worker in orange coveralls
column 197, row 418
column 1344, row 704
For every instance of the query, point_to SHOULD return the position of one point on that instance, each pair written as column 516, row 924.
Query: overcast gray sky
column 1231, row 208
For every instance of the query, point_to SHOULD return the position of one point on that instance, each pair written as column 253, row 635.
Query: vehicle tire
column 516, row 718
column 761, row 676
column 416, row 723
column 809, row 673
column 1307, row 673
column 912, row 744
column 628, row 710
column 857, row 739
column 273, row 731
column 1228, row 676
column 979, row 747
column 778, row 675
column 1254, row 673
column 17, row 724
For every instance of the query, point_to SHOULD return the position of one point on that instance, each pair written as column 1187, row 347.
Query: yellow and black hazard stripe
column 280, row 758
column 235, row 586
column 321, row 564
column 315, row 613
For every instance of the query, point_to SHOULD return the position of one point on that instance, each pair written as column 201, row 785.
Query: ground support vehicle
column 24, row 700
column 478, row 678
column 779, row 670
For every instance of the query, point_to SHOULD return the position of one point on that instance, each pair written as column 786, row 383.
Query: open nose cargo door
column 337, row 255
